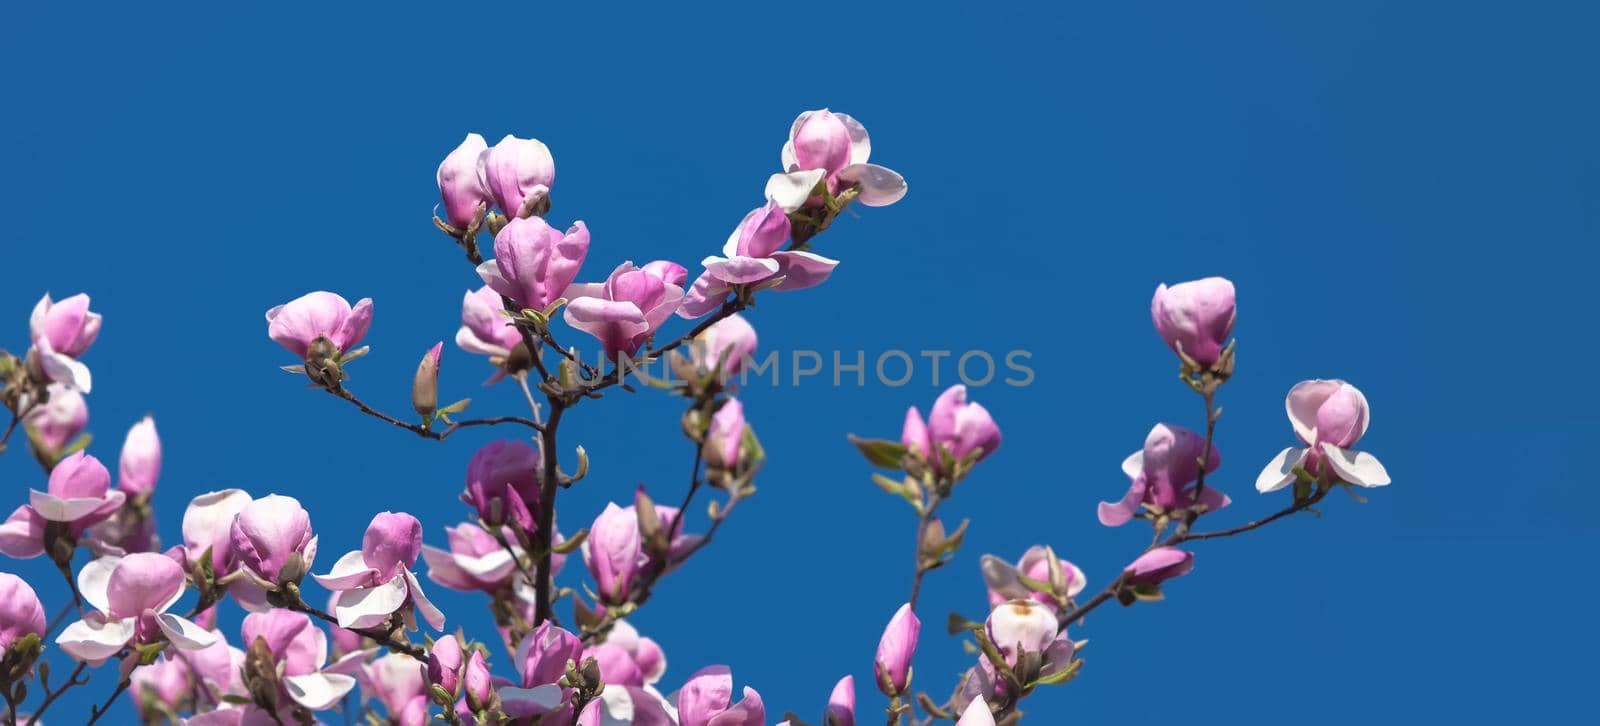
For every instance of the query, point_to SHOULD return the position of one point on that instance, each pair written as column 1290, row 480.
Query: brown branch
column 383, row 638
column 424, row 431
column 547, row 512
column 51, row 696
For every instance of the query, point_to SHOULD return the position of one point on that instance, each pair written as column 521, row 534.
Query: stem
column 385, row 639
column 122, row 686
column 547, row 513
column 1210, row 397
column 51, row 696
column 922, row 530
column 424, row 431
column 11, row 705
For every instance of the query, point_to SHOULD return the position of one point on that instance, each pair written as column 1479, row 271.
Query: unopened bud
column 425, row 386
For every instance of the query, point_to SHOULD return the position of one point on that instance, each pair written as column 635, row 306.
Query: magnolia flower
column 216, row 669
column 541, row 661
column 1159, row 565
column 892, row 668
column 300, row 322
column 953, row 425
column 503, row 483
column 1195, row 318
column 616, row 665
column 140, row 464
column 1001, row 576
column 78, row 493
column 376, row 581
column 518, row 173
column 752, row 255
column 22, row 534
column 1161, row 472
column 1017, row 627
column 625, row 310
column 842, row 703
column 166, row 684
column 613, row 553
column 632, row 706
column 61, row 332
column 474, row 562
column 706, row 700
column 485, row 330
column 477, row 685
column 831, row 146
column 21, row 614
column 977, row 714
column 208, row 525
column 725, row 435
column 647, row 656
column 1330, row 417
column 131, row 596
column 445, row 664
column 271, row 541
column 462, row 187
column 724, row 347
column 58, row 420
column 533, row 263
column 395, row 681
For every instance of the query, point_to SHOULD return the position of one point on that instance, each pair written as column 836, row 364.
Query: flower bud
column 706, row 699
column 140, row 465
column 475, row 678
column 503, row 483
column 21, row 614
column 725, row 435
column 1159, row 565
column 67, row 325
column 425, row 386
column 892, row 669
column 59, row 420
column 518, row 174
column 545, row 654
column 822, row 141
column 534, row 263
column 462, row 187
column 444, row 664
column 842, row 703
column 613, row 553
column 272, row 537
column 961, row 427
column 727, row 343
column 1195, row 318
column 1021, row 626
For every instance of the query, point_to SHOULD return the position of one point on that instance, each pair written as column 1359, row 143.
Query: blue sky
column 1405, row 197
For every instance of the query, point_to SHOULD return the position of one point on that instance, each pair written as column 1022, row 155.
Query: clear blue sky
column 1406, row 198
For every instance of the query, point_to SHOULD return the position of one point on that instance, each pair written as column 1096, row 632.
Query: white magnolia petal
column 351, row 571
column 471, row 343
column 421, row 603
column 880, row 186
column 318, row 691
column 1280, row 471
column 1357, row 467
column 1133, row 466
column 977, row 714
column 787, row 158
column 525, row 702
column 352, row 662
column 57, row 509
column 94, row 579
column 185, row 634
column 93, row 641
column 65, row 369
column 370, row 606
column 790, row 191
column 860, row 143
column 493, row 566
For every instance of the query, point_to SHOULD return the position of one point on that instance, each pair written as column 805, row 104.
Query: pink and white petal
column 791, row 190
column 787, row 158
column 64, row 369
column 93, row 580
column 22, row 534
column 444, row 569
column 370, row 606
column 496, row 565
column 489, row 271
column 422, row 604
column 351, row 571
column 185, row 634
column 738, row 270
column 1116, row 514
column 1214, row 499
column 977, row 714
column 671, row 299
column 860, row 143
column 528, row 702
column 1133, row 466
column 802, row 269
column 318, row 691
column 585, row 289
column 1280, row 471
column 93, row 641
column 607, row 320
column 1302, row 404
column 1077, row 580
column 1356, row 467
column 471, row 343
column 57, row 509
column 351, row 663
column 249, row 594
column 705, row 295
column 880, row 186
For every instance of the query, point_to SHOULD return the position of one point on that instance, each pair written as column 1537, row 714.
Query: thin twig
column 922, row 530
column 547, row 513
column 51, row 696
column 424, row 431
column 385, row 639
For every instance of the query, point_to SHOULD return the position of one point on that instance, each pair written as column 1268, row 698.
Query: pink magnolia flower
column 625, row 310
column 831, row 146
column 518, row 173
column 842, row 703
column 216, row 670
column 953, row 425
column 61, row 332
column 478, row 687
column 166, row 682
column 140, row 464
column 707, row 700
column 60, row 419
column 208, row 525
column 630, row 705
column 1001, row 576
column 647, row 656
column 1330, row 417
column 78, row 493
column 1195, row 318
column 725, row 346
column 751, row 256
column 533, row 262
column 485, row 330
column 21, row 614
column 895, row 650
column 22, row 534
column 1017, row 627
column 298, row 323
column 131, row 596
column 268, row 534
column 976, row 714
column 541, row 660
column 1159, row 565
column 725, row 435
column 616, row 665
column 396, row 681
column 503, row 483
column 475, row 561
column 445, row 664
column 613, row 553
column 1161, row 473
column 462, row 187
column 376, row 581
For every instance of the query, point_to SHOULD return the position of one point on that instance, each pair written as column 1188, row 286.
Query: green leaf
column 880, row 452
column 1061, row 676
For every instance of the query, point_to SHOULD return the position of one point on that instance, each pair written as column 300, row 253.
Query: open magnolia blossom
column 131, row 596
column 625, row 310
column 533, row 262
column 831, row 147
column 61, row 332
column 376, row 581
column 485, row 329
column 300, row 322
column 474, row 561
column 59, row 419
column 78, row 493
column 1004, row 583
column 1330, row 417
column 753, row 256
column 299, row 650
column 1161, row 472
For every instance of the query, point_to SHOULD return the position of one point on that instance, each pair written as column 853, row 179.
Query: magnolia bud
column 425, row 386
